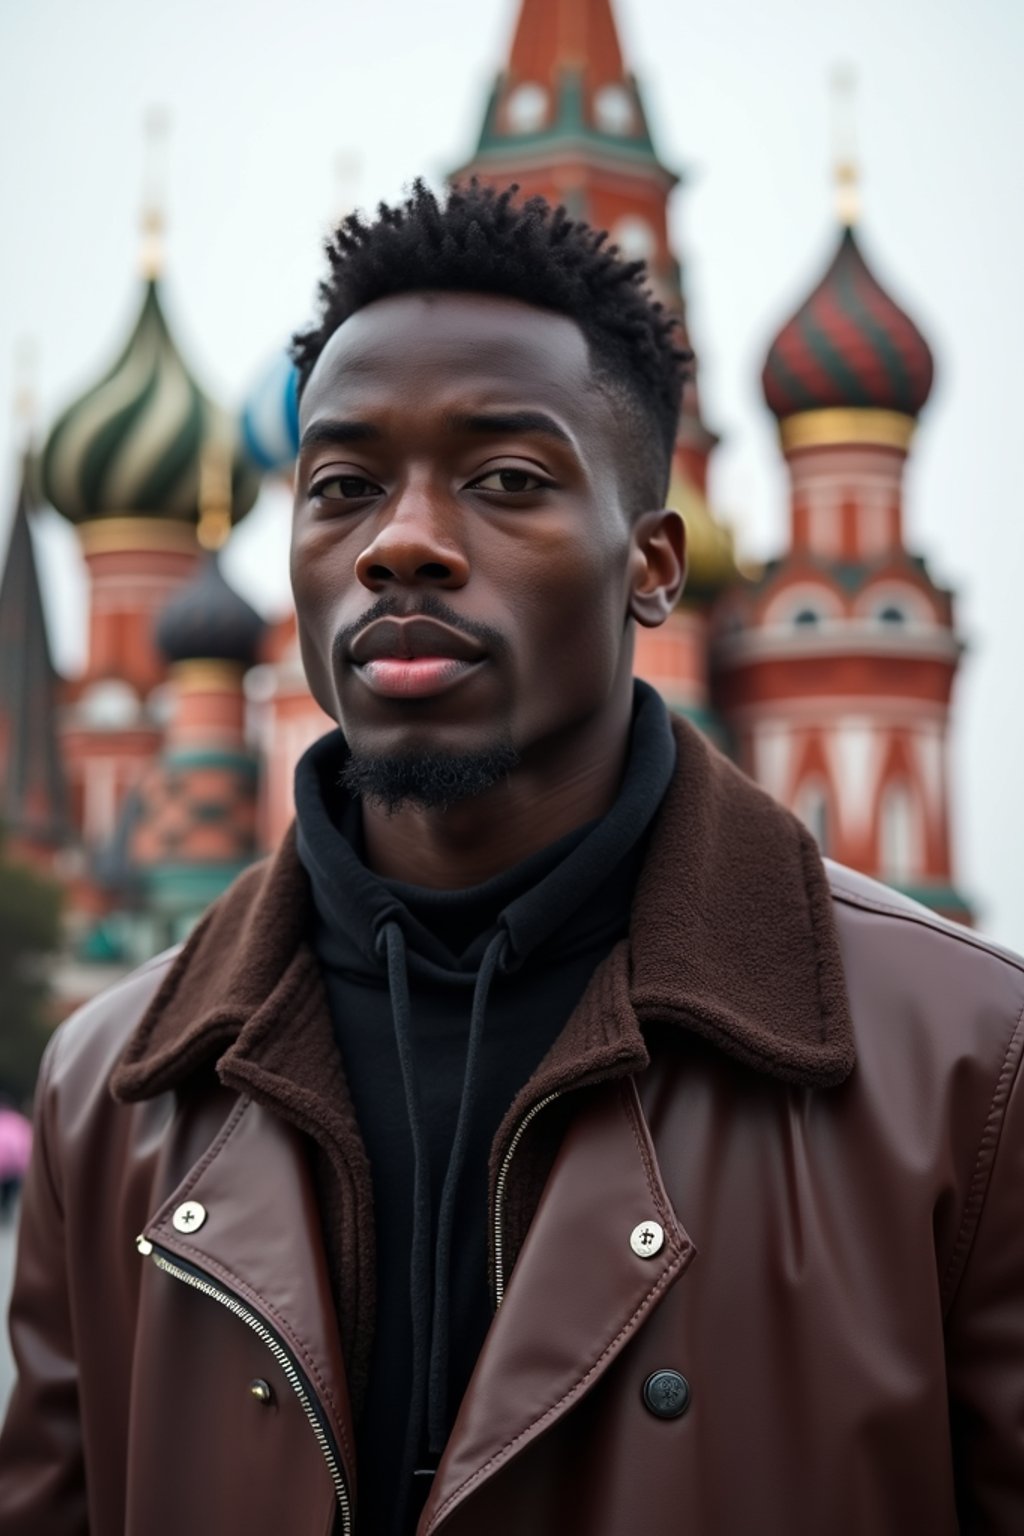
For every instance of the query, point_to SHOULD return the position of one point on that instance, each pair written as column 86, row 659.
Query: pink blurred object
column 15, row 1144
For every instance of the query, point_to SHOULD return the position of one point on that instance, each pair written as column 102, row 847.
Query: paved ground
column 7, row 1237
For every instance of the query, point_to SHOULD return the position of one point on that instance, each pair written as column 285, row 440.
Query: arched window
column 635, row 238
column 613, row 109
column 893, row 602
column 804, row 605
column 899, row 831
column 527, row 107
column 813, row 809
column 110, row 704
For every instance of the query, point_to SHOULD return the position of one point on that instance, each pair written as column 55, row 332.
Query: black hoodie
column 443, row 1004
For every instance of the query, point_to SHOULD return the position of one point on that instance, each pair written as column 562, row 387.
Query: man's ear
column 657, row 567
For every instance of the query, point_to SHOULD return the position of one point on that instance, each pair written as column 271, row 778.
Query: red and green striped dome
column 848, row 345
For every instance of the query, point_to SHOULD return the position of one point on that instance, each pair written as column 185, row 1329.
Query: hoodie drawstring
column 437, row 1417
column 419, row 1265
column 430, row 1292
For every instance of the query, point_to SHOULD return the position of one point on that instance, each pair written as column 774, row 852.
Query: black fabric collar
column 546, row 898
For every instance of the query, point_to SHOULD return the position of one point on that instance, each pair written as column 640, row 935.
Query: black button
column 667, row 1394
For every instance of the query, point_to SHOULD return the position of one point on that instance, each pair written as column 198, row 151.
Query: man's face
column 462, row 562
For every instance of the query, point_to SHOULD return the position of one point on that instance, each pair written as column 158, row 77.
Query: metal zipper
column 499, row 1193
column 294, row 1376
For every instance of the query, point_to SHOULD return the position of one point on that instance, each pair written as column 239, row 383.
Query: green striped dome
column 131, row 445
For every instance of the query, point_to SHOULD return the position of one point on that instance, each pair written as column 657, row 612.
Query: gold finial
column 846, row 169
column 25, row 360
column 154, row 180
column 347, row 167
column 214, row 494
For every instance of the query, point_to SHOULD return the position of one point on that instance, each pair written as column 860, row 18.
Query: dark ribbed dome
column 849, row 345
column 208, row 621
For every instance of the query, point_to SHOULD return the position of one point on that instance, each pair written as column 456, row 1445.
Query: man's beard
column 429, row 780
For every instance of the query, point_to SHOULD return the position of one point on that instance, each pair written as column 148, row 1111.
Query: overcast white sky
column 262, row 100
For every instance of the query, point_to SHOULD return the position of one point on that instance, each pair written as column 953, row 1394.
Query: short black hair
column 478, row 239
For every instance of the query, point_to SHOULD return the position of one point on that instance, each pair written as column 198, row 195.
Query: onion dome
column 270, row 416
column 208, row 621
column 848, row 346
column 131, row 445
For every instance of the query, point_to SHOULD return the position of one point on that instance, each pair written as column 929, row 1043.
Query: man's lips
column 413, row 658
column 416, row 677
column 413, row 639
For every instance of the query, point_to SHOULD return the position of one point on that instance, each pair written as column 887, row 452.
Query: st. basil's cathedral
column 149, row 781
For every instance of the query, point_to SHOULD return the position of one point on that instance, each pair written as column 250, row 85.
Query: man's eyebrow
column 339, row 432
column 509, row 423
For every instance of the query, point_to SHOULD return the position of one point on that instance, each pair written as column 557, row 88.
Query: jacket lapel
column 246, row 1218
column 578, row 1293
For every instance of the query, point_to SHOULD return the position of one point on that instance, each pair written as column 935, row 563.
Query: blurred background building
column 145, row 783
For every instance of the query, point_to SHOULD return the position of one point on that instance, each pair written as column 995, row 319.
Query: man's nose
column 417, row 544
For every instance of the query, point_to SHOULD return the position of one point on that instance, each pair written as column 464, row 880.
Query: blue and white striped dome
column 270, row 416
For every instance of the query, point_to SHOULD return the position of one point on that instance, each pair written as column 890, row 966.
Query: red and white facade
column 834, row 672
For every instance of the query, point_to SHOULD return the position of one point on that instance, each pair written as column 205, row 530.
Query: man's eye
column 509, row 480
column 342, row 487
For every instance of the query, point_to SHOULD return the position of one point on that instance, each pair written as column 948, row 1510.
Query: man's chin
column 433, row 780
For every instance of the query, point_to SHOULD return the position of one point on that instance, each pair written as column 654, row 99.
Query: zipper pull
column 144, row 1245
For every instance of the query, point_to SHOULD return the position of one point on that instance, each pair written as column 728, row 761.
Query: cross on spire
column 154, row 191
column 846, row 170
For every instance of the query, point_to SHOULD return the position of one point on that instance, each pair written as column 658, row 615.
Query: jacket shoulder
column 87, row 1045
column 921, row 987
column 853, row 890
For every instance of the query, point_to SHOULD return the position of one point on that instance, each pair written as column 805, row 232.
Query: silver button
column 189, row 1217
column 647, row 1239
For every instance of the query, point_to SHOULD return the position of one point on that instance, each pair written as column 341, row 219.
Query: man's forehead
column 492, row 344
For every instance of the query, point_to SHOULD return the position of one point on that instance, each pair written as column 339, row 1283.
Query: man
column 543, row 1140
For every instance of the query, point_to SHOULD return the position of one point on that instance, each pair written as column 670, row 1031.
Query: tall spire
column 553, row 36
column 566, row 84
column 566, row 120
column 33, row 795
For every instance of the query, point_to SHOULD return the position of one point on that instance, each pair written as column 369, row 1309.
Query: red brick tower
column 192, row 822
column 288, row 720
column 834, row 671
column 122, row 464
column 566, row 120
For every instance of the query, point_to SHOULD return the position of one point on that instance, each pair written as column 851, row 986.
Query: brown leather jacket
column 806, row 1082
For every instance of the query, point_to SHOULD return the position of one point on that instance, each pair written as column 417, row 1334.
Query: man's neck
column 547, row 796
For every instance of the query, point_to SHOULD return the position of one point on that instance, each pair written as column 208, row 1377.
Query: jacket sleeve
column 42, row 1479
column 985, row 1324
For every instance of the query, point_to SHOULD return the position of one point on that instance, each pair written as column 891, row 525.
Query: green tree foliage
column 30, row 937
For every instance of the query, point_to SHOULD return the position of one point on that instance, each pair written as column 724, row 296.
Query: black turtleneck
column 405, row 969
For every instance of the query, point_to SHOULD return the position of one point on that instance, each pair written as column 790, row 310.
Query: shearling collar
column 732, row 937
